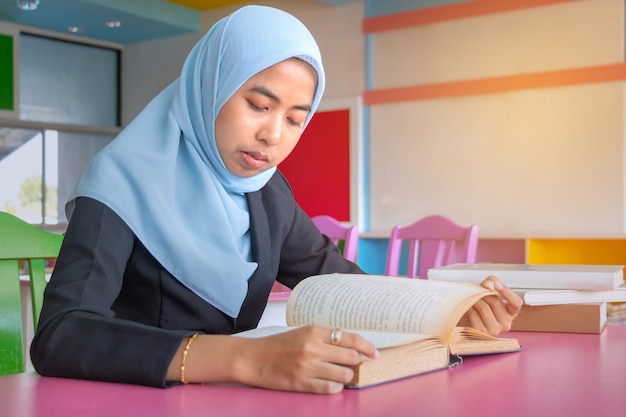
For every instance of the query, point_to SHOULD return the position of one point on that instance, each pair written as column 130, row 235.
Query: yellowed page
column 379, row 339
column 381, row 303
column 470, row 341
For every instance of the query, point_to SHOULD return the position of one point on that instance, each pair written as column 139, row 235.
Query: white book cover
column 539, row 276
column 536, row 297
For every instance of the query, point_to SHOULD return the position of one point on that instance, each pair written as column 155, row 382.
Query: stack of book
column 557, row 298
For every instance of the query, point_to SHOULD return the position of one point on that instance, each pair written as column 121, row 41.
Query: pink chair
column 337, row 232
column 433, row 241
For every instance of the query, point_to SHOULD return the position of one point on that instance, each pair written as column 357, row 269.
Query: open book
column 412, row 322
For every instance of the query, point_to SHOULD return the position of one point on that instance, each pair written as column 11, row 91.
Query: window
column 39, row 170
column 68, row 110
column 68, row 82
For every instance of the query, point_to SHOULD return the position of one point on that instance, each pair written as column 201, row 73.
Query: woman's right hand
column 303, row 359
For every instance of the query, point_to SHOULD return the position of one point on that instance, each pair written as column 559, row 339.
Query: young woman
column 180, row 227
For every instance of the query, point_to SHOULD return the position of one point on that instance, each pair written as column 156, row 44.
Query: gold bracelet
column 182, row 364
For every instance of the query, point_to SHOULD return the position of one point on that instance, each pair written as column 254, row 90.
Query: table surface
column 554, row 375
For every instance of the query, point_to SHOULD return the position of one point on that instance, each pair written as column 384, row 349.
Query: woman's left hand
column 495, row 313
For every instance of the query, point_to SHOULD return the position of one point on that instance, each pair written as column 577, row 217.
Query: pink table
column 555, row 375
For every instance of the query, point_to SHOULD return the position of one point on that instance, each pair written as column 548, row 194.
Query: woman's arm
column 79, row 334
column 299, row 360
column 304, row 251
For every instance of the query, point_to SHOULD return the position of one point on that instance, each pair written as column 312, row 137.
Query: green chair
column 20, row 242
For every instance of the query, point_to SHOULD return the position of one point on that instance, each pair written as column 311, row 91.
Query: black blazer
column 112, row 313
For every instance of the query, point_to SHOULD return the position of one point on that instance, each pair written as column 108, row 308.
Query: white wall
column 150, row 66
column 539, row 162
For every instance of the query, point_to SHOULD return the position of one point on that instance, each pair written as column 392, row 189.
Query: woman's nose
column 272, row 129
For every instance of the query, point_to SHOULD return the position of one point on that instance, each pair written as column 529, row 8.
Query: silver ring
column 335, row 336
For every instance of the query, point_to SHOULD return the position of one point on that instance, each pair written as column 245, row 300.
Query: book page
column 385, row 339
column 379, row 339
column 470, row 341
column 381, row 303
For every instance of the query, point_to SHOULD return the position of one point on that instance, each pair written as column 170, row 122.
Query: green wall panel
column 6, row 73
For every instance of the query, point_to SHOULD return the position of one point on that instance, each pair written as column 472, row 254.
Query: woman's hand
column 494, row 314
column 307, row 359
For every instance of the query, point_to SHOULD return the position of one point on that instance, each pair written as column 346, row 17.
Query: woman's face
column 258, row 127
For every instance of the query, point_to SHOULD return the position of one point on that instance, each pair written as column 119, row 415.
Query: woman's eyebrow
column 267, row 93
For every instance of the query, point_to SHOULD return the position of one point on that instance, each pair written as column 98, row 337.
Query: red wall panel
column 319, row 167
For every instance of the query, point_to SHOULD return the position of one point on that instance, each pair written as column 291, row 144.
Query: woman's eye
column 293, row 122
column 255, row 107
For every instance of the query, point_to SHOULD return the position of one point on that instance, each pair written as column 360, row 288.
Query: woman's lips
column 254, row 160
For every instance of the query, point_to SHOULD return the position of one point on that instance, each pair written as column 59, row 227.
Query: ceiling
column 139, row 20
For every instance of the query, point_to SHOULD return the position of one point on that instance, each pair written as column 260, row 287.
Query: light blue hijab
column 163, row 174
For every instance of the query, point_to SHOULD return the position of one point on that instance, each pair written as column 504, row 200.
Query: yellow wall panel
column 577, row 251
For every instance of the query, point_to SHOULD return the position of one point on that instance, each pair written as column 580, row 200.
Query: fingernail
column 335, row 388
